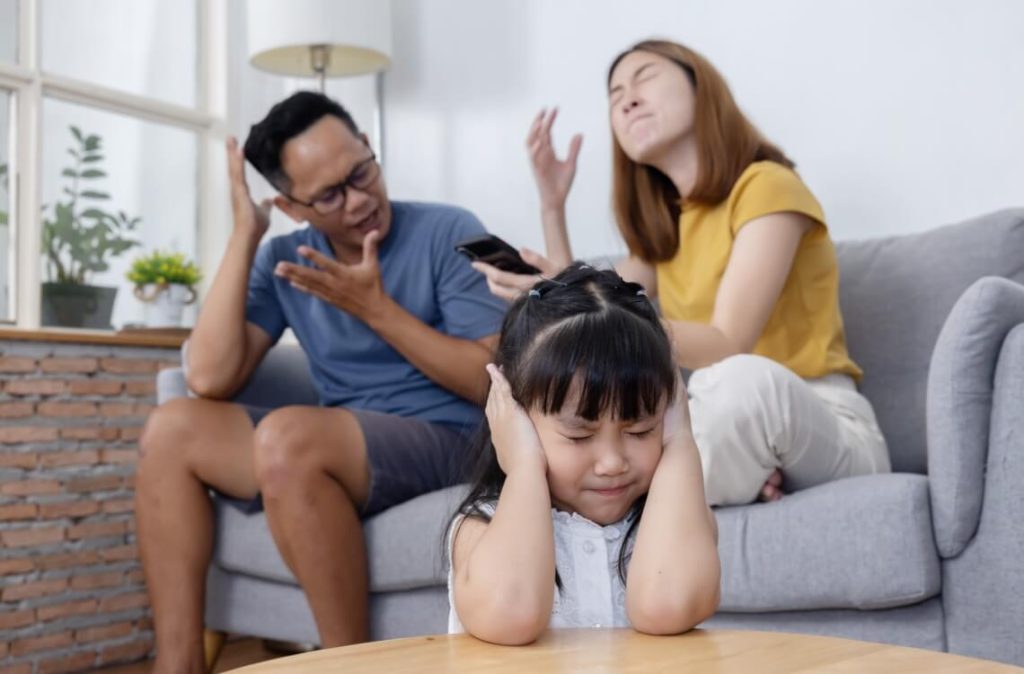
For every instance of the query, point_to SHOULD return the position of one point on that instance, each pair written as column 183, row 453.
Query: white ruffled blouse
column 592, row 593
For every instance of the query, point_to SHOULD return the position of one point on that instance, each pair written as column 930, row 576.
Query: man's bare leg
column 186, row 445
column 313, row 472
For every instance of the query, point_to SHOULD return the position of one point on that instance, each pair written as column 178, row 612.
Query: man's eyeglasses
column 331, row 199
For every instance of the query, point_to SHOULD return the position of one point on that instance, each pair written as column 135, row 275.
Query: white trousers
column 751, row 415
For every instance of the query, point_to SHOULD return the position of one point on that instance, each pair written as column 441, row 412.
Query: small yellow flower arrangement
column 165, row 282
column 163, row 269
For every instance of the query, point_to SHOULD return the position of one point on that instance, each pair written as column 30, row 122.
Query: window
column 105, row 111
column 139, row 179
column 152, row 46
column 6, row 250
column 9, row 30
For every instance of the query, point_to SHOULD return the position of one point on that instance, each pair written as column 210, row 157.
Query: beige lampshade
column 356, row 35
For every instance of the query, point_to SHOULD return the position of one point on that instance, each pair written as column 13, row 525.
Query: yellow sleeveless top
column 805, row 331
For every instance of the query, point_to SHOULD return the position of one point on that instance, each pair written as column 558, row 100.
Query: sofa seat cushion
column 404, row 543
column 859, row 543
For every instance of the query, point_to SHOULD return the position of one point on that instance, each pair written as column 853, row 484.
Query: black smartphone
column 497, row 253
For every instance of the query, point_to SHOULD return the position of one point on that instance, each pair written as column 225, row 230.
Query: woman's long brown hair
column 646, row 203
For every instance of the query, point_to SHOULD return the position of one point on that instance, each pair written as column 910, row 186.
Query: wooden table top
column 623, row 650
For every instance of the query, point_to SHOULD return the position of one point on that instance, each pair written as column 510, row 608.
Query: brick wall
column 72, row 596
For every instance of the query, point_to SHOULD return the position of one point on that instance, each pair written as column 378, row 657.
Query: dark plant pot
column 72, row 305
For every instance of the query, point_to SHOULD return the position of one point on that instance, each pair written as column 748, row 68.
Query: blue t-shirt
column 350, row 364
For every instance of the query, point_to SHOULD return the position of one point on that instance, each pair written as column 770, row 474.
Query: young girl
column 733, row 244
column 587, row 507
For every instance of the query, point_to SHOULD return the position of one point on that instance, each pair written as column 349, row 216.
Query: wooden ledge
column 171, row 338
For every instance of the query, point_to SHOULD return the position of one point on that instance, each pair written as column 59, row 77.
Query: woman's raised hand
column 554, row 176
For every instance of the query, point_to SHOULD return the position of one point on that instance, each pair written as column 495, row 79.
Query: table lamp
column 323, row 38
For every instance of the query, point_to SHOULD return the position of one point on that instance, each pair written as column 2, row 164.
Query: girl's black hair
column 585, row 326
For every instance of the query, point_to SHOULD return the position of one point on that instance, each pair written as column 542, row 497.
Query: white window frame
column 30, row 85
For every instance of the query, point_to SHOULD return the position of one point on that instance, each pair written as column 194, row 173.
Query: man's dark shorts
column 408, row 457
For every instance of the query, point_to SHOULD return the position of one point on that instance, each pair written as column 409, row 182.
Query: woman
column 735, row 247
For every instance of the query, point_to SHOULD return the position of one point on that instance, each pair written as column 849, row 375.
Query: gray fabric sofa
column 929, row 556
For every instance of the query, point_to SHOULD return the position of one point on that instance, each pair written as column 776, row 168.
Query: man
column 397, row 328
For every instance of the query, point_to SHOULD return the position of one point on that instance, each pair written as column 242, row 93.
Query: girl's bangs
column 609, row 362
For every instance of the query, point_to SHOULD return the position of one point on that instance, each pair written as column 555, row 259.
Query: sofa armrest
column 959, row 407
column 170, row 384
column 282, row 378
column 982, row 586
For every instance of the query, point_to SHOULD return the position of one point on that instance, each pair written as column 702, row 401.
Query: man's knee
column 290, row 446
column 169, row 429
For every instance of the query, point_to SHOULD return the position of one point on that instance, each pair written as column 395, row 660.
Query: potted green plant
column 79, row 239
column 166, row 283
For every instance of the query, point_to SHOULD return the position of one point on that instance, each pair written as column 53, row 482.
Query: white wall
column 900, row 115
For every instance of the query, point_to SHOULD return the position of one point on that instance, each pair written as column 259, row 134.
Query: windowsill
column 154, row 337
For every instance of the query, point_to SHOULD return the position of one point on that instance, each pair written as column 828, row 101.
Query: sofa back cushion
column 895, row 294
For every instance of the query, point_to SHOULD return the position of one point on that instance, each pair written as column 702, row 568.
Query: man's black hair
column 288, row 119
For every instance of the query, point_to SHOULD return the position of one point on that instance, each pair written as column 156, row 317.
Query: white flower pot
column 165, row 303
